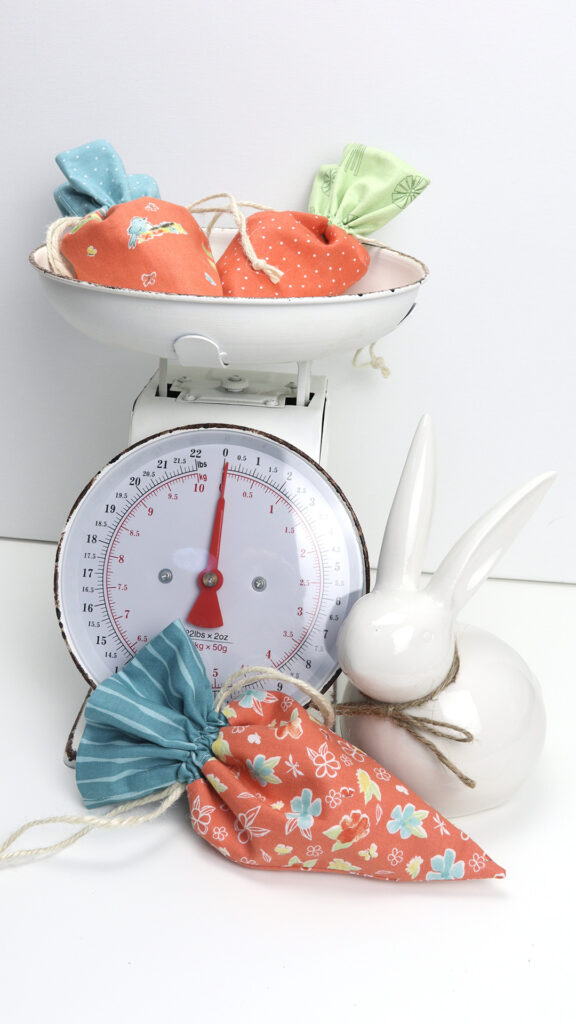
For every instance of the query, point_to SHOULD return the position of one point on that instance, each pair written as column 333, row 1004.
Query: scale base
column 177, row 397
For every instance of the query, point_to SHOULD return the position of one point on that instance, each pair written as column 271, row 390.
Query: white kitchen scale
column 220, row 513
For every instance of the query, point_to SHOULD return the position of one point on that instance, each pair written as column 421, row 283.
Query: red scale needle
column 206, row 609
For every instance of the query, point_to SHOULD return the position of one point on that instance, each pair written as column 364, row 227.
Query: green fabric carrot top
column 365, row 190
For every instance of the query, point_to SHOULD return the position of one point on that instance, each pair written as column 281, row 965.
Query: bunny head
column 397, row 643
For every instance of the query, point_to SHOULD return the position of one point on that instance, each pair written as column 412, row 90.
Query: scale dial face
column 242, row 537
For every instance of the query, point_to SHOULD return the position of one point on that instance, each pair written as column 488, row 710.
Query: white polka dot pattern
column 281, row 238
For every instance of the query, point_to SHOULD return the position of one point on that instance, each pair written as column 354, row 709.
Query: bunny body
column 497, row 698
column 397, row 645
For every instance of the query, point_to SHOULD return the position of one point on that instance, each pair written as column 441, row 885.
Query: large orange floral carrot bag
column 268, row 785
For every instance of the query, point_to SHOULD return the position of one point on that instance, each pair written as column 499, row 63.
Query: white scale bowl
column 241, row 331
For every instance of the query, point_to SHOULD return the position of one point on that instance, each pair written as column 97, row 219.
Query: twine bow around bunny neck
column 418, row 726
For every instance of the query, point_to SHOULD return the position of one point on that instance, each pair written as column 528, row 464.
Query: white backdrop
column 251, row 98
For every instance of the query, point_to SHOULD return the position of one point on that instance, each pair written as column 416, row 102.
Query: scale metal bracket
column 291, row 407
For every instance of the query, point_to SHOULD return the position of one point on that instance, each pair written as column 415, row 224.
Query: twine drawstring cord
column 120, row 816
column 165, row 798
column 375, row 361
column 54, row 234
column 233, row 208
column 252, row 675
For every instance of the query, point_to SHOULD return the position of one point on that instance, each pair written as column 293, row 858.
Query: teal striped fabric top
column 149, row 725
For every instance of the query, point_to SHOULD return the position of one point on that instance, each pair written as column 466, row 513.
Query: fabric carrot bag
column 268, row 786
column 312, row 256
column 320, row 253
column 146, row 244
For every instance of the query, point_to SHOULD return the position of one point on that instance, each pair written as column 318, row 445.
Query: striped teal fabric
column 151, row 724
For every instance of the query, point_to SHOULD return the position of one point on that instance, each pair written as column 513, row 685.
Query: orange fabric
column 316, row 257
column 283, row 791
column 147, row 245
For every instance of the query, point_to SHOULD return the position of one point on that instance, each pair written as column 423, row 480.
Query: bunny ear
column 467, row 565
column 406, row 535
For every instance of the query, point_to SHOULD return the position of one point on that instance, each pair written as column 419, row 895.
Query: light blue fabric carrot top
column 96, row 179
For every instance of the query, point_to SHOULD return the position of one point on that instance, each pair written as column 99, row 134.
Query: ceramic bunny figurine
column 398, row 643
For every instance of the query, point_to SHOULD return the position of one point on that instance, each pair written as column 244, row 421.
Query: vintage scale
column 220, row 512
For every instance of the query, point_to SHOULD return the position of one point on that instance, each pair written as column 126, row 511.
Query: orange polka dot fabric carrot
column 316, row 258
column 283, row 791
column 146, row 245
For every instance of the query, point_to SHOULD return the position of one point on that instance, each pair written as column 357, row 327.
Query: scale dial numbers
column 140, row 548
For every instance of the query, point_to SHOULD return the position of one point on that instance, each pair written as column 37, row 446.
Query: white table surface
column 151, row 924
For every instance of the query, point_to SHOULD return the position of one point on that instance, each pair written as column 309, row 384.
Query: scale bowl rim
column 238, row 301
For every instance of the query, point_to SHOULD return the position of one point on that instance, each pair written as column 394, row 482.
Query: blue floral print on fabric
column 408, row 821
column 445, row 867
column 249, row 698
column 262, row 769
column 304, row 810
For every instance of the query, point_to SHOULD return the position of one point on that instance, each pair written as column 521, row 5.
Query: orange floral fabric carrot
column 268, row 785
column 283, row 791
